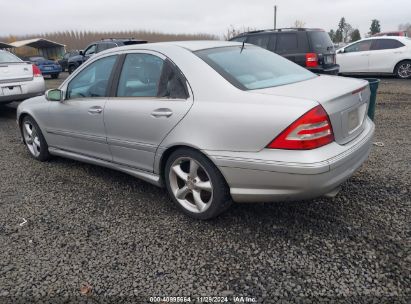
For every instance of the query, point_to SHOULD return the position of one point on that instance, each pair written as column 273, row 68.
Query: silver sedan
column 18, row 79
column 213, row 122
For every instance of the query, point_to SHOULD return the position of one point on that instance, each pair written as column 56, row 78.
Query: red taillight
column 311, row 60
column 310, row 131
column 36, row 71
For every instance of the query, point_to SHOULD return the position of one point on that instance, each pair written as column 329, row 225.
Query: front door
column 355, row 58
column 152, row 97
column 77, row 123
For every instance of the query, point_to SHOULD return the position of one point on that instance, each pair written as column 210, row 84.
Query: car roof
column 193, row 46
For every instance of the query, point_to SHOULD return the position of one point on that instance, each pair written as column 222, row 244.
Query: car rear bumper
column 35, row 87
column 281, row 175
column 332, row 70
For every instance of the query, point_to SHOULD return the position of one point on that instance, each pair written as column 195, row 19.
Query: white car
column 377, row 55
column 19, row 80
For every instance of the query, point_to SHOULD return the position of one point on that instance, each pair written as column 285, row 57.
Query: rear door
column 355, row 58
column 385, row 54
column 151, row 97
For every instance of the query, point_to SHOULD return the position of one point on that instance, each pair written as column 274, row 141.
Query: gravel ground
column 80, row 233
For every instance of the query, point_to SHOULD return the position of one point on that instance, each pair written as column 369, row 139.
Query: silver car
column 214, row 122
column 19, row 80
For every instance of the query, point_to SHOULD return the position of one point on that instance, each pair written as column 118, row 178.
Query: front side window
column 90, row 50
column 252, row 67
column 386, row 44
column 361, row 46
column 92, row 81
column 146, row 75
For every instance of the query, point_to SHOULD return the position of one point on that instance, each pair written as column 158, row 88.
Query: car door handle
column 95, row 110
column 162, row 112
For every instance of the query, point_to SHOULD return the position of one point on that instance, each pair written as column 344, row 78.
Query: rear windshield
column 321, row 41
column 6, row 57
column 253, row 67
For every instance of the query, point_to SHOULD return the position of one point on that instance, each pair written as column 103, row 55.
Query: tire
column 403, row 70
column 34, row 139
column 204, row 193
column 71, row 69
column 54, row 76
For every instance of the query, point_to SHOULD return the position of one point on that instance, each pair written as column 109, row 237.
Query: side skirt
column 146, row 176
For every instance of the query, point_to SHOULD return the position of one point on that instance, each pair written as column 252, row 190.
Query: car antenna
column 242, row 47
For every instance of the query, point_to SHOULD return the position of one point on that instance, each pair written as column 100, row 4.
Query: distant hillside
column 77, row 40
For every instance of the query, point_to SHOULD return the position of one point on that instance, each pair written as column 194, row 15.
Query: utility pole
column 275, row 17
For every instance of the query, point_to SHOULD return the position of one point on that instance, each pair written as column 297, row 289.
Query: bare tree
column 299, row 24
column 233, row 31
column 405, row 27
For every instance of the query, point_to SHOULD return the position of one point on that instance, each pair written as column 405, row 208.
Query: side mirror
column 81, row 53
column 54, row 95
column 340, row 51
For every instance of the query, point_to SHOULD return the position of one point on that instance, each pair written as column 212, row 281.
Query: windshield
column 253, row 67
column 6, row 57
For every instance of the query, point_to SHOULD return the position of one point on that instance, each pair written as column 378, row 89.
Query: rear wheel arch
column 167, row 153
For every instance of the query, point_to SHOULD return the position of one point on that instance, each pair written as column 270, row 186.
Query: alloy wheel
column 404, row 70
column 31, row 138
column 191, row 184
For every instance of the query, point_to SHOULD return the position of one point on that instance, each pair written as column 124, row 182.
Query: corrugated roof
column 37, row 43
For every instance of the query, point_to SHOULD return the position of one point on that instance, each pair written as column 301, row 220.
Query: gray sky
column 194, row 16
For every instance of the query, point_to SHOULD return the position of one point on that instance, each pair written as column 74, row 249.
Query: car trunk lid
column 16, row 71
column 344, row 99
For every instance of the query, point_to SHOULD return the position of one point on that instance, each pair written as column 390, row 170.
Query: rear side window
column 260, row 40
column 6, row 57
column 320, row 41
column 140, row 76
column 146, row 75
column 287, row 43
column 105, row 46
column 386, row 44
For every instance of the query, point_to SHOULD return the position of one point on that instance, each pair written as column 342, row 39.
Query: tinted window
column 91, row 50
column 386, row 44
column 140, row 76
column 93, row 80
column 321, row 41
column 260, row 40
column 172, row 82
column 239, row 39
column 105, row 46
column 287, row 42
column 8, row 57
column 253, row 68
column 361, row 46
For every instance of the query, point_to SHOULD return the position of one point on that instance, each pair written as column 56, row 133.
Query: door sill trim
column 143, row 175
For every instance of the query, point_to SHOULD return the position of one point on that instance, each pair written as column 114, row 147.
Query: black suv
column 310, row 48
column 98, row 46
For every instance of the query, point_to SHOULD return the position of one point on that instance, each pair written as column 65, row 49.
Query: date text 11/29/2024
column 203, row 299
